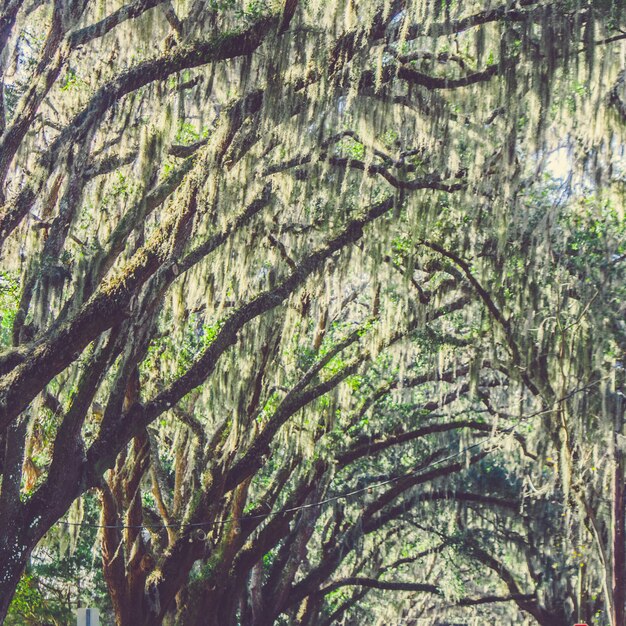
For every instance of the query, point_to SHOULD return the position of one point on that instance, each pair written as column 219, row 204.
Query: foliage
column 312, row 312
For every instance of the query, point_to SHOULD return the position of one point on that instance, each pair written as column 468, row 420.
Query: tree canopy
column 312, row 312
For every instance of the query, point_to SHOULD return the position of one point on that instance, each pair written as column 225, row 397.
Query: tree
column 274, row 254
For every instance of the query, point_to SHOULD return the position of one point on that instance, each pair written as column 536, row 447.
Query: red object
column 583, row 624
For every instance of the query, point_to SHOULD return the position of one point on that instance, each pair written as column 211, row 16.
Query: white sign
column 87, row 617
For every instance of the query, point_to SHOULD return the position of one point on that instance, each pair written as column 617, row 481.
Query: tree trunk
column 15, row 548
column 13, row 559
column 618, row 591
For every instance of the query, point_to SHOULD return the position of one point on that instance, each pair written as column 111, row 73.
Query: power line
column 343, row 496
column 245, row 518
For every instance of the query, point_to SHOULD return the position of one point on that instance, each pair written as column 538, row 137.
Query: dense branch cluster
column 312, row 312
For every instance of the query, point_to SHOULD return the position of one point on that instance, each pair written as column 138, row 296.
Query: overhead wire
column 209, row 524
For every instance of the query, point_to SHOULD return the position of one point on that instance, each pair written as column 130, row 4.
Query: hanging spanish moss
column 312, row 312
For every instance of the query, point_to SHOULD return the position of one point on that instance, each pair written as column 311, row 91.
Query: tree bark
column 618, row 582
